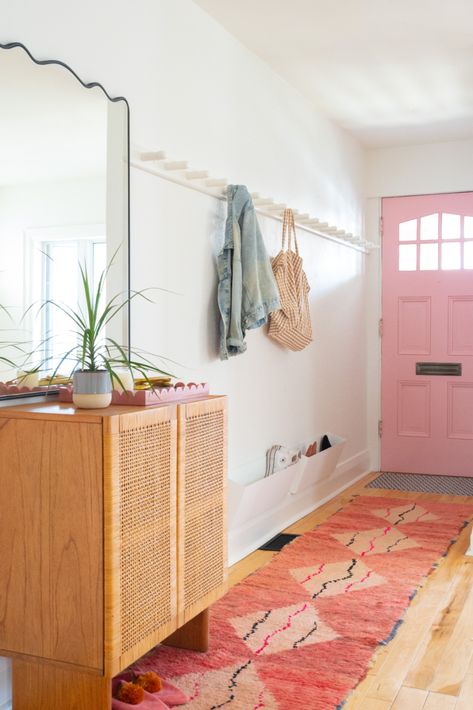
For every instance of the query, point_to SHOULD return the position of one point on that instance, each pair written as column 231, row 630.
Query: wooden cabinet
column 112, row 539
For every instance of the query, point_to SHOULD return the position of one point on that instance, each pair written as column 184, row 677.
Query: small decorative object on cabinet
column 149, row 397
column 113, row 539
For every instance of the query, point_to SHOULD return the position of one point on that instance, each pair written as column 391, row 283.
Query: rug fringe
column 393, row 631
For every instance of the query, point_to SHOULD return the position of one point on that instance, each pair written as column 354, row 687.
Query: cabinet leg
column 39, row 686
column 193, row 636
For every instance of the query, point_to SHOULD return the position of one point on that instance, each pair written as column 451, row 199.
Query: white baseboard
column 246, row 539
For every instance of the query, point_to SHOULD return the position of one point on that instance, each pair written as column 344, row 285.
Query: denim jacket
column 247, row 291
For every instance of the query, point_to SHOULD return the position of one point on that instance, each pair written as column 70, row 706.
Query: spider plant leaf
column 7, row 361
column 63, row 359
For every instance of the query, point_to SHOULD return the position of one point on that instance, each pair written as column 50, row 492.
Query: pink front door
column 427, row 344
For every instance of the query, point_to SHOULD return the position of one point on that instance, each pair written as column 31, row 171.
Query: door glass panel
column 451, row 226
column 407, row 257
column 429, row 227
column 468, row 255
column 451, row 256
column 468, row 228
column 429, row 257
column 408, row 231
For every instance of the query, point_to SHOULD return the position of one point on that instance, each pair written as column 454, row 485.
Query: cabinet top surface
column 65, row 410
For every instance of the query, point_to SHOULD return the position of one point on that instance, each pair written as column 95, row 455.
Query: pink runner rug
column 300, row 633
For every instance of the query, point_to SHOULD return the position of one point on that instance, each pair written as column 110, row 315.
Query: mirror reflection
column 63, row 203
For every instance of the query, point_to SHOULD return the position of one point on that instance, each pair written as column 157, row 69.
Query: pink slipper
column 150, row 702
column 168, row 696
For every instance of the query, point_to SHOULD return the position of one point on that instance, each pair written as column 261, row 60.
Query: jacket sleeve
column 260, row 293
column 236, row 335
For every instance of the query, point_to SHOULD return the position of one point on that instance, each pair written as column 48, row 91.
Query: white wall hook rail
column 280, row 207
column 216, row 182
column 178, row 172
column 153, row 155
column 197, row 174
column 176, row 165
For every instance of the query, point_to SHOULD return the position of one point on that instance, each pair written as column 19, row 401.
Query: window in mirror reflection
column 55, row 278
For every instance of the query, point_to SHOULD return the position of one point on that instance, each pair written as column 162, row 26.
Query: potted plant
column 97, row 360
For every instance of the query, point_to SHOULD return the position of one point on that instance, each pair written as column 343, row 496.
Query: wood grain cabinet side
column 51, row 551
column 112, row 539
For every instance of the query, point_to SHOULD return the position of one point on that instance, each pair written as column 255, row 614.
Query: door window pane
column 429, row 227
column 407, row 257
column 468, row 255
column 450, row 226
column 451, row 256
column 429, row 257
column 468, row 228
column 408, row 231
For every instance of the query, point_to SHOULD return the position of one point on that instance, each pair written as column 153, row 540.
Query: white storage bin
column 317, row 468
column 255, row 500
column 247, row 502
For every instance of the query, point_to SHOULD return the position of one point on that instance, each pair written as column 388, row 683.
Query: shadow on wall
column 210, row 316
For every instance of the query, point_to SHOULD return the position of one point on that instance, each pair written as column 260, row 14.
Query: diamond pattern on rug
column 411, row 513
column 237, row 686
column 329, row 580
column 424, row 483
column 377, row 541
column 282, row 629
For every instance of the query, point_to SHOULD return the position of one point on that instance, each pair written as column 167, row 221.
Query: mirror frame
column 90, row 85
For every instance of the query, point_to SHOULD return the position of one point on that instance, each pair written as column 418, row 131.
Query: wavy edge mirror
column 53, row 390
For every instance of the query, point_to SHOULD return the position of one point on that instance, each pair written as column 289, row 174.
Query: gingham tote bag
column 291, row 325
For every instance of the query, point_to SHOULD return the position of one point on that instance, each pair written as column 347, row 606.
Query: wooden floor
column 429, row 663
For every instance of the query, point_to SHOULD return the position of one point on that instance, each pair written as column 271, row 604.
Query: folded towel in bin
column 280, row 457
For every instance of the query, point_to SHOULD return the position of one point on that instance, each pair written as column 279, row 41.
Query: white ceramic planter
column 92, row 390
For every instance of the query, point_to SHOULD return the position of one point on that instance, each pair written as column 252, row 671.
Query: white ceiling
column 51, row 127
column 391, row 72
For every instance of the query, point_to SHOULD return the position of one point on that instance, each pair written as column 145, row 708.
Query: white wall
column 200, row 95
column 420, row 169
